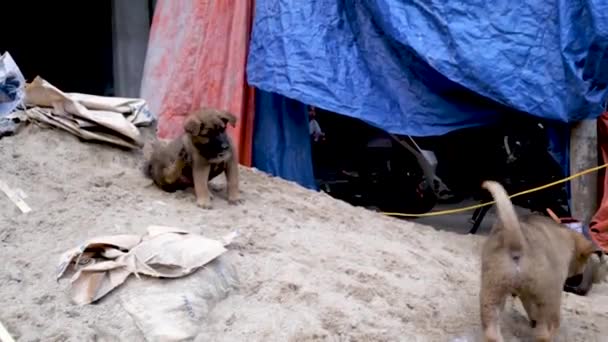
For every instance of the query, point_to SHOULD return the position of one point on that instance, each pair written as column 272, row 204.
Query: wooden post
column 130, row 31
column 583, row 155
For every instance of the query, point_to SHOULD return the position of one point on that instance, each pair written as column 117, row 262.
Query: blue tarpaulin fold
column 429, row 67
column 281, row 143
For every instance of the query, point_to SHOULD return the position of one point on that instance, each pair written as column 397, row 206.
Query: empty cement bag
column 176, row 309
column 163, row 252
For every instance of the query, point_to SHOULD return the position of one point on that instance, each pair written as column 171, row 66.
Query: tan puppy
column 531, row 259
column 202, row 153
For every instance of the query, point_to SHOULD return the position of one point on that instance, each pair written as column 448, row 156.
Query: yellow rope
column 472, row 207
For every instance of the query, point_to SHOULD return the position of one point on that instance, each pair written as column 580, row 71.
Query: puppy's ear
column 227, row 117
column 192, row 126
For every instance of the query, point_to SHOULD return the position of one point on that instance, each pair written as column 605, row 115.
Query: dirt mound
column 310, row 267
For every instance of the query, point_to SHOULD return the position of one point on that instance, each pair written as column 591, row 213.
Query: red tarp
column 599, row 223
column 196, row 57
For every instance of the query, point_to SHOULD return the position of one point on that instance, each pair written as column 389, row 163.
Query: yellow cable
column 471, row 207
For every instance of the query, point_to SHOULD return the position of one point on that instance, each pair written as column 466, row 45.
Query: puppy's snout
column 225, row 145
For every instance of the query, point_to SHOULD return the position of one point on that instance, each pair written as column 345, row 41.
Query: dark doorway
column 68, row 43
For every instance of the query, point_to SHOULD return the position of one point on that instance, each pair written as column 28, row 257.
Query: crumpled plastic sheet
column 12, row 85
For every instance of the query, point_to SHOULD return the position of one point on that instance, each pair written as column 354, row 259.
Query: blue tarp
column 429, row 67
column 281, row 143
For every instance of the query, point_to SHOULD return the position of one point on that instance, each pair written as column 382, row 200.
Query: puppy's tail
column 148, row 150
column 147, row 169
column 513, row 236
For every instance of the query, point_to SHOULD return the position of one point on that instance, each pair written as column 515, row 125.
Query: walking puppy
column 202, row 153
column 530, row 258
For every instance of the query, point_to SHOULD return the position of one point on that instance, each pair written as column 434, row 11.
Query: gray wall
column 130, row 30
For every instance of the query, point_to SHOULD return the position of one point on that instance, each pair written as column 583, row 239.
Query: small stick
column 4, row 335
column 18, row 201
column 553, row 216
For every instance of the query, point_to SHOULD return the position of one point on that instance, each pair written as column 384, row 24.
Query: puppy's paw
column 204, row 203
column 235, row 201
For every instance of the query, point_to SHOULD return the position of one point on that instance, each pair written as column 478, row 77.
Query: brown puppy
column 530, row 258
column 202, row 153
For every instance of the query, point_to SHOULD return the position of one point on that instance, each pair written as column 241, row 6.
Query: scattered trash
column 571, row 223
column 104, row 263
column 228, row 238
column 12, row 83
column 575, row 225
column 108, row 119
column 15, row 198
column 10, row 124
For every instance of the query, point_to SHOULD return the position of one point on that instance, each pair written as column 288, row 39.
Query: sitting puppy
column 529, row 258
column 200, row 154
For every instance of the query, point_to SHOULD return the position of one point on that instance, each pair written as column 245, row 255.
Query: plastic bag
column 12, row 84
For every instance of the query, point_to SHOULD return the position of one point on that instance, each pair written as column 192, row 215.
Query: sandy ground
column 311, row 268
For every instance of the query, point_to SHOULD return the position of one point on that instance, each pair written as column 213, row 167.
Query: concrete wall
column 130, row 30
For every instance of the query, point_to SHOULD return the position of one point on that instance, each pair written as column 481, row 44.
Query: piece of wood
column 21, row 193
column 583, row 155
column 12, row 195
column 4, row 335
